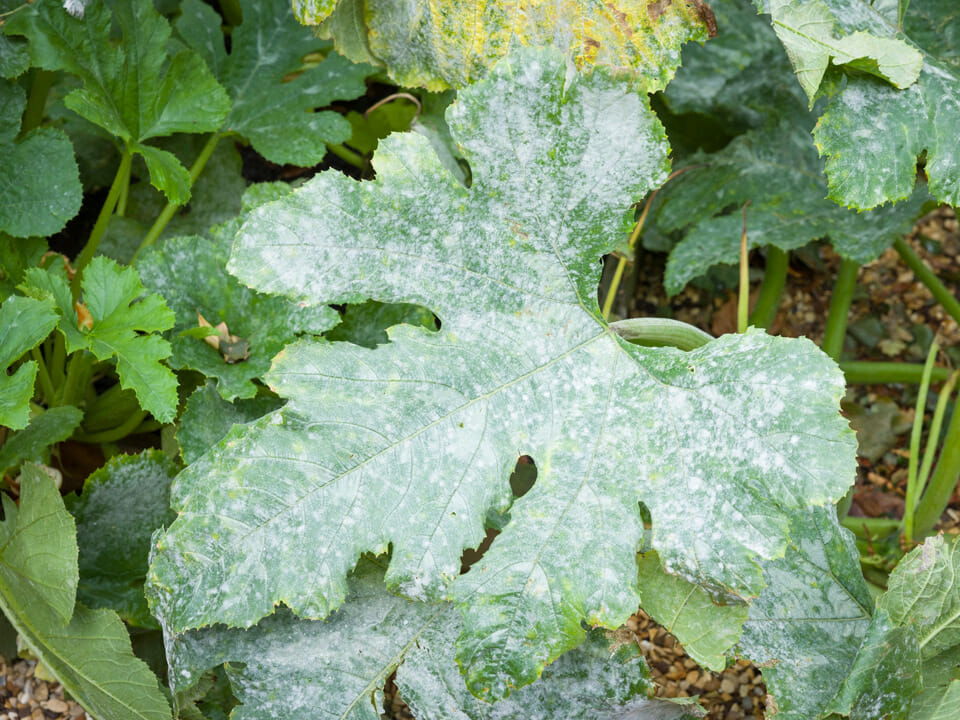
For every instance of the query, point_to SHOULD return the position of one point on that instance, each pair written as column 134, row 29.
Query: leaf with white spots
column 411, row 444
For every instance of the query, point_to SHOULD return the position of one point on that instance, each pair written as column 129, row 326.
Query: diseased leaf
column 456, row 44
column 39, row 181
column 706, row 629
column 809, row 622
column 47, row 428
column 289, row 668
column 88, row 650
column 812, row 38
column 778, row 171
column 24, row 322
column 189, row 271
column 872, row 133
column 280, row 118
column 133, row 89
column 121, row 506
column 208, row 417
column 429, row 426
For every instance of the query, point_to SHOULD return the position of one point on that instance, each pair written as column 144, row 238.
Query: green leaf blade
column 24, row 322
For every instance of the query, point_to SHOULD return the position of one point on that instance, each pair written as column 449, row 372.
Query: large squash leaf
column 438, row 44
column 88, row 650
column 274, row 112
column 411, row 443
column 289, row 668
column 872, row 133
column 134, row 89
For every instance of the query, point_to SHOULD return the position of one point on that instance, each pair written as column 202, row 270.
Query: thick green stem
column 942, row 482
column 58, row 360
column 871, row 528
column 743, row 298
column 836, row 329
column 113, row 434
column 928, row 277
column 124, row 193
column 100, row 227
column 232, row 12
column 37, row 102
column 933, row 437
column 883, row 373
column 79, row 369
column 169, row 209
column 46, row 386
column 914, row 465
column 347, row 155
column 661, row 332
column 774, row 278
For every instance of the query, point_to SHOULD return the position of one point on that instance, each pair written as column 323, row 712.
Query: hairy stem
column 836, row 328
column 100, row 227
column 933, row 437
column 347, row 155
column 743, row 299
column 116, row 433
column 661, row 332
column 862, row 372
column 774, row 278
column 37, row 101
column 160, row 224
column 925, row 275
column 46, row 385
column 79, row 369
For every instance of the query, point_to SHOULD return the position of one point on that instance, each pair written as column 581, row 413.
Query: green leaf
column 706, row 630
column 457, row 44
column 16, row 255
column 14, row 58
column 872, row 133
column 39, row 181
column 778, row 171
column 121, row 506
column 88, row 650
column 812, row 38
column 290, row 668
column 189, row 271
column 430, row 425
column 279, row 118
column 805, row 628
column 207, row 418
column 24, row 323
column 367, row 324
column 135, row 89
column 49, row 427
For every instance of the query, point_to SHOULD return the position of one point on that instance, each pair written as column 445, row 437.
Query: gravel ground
column 25, row 695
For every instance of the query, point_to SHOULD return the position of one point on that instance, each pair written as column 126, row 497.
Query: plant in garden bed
column 339, row 415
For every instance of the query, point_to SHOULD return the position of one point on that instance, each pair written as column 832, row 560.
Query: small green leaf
column 280, row 118
column 135, row 89
column 47, row 428
column 24, row 323
column 457, row 44
column 121, row 506
column 16, row 255
column 207, row 418
column 88, row 650
column 39, row 181
column 706, row 629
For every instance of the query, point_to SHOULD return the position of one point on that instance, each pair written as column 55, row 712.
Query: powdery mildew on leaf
column 411, row 443
column 872, row 133
column 438, row 44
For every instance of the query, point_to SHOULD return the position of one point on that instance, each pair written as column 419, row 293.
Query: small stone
column 42, row 692
column 728, row 685
column 57, row 706
column 692, row 677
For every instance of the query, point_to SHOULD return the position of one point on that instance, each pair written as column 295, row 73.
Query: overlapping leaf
column 123, row 326
column 872, row 133
column 88, row 650
column 121, row 506
column 429, row 426
column 39, row 180
column 456, row 44
column 14, row 58
column 24, row 322
column 49, row 427
column 276, row 115
column 134, row 90
column 777, row 170
column 287, row 668
column 806, row 627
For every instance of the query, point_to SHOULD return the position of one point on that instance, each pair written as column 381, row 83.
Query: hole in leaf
column 366, row 323
column 523, row 477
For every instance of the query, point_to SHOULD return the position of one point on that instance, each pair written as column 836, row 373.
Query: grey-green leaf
column 121, row 506
column 88, row 650
column 430, row 425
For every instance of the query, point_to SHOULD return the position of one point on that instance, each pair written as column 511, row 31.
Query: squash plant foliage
column 345, row 374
